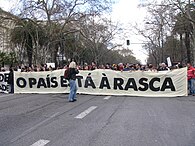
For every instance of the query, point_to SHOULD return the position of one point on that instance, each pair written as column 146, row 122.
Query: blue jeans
column 191, row 86
column 73, row 90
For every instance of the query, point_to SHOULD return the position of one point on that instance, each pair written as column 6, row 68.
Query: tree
column 8, row 59
column 167, row 20
column 25, row 36
column 183, row 26
column 174, row 50
column 114, row 57
column 70, row 29
column 186, row 23
column 96, row 34
column 64, row 14
column 156, row 29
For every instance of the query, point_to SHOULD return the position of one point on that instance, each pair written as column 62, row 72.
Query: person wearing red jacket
column 191, row 79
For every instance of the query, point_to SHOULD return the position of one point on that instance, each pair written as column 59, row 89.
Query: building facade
column 6, row 24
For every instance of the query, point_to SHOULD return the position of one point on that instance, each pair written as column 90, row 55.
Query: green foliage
column 114, row 57
column 8, row 58
column 29, row 34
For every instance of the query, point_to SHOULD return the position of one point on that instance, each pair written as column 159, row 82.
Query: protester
column 191, row 79
column 11, row 80
column 108, row 66
column 93, row 66
column 2, row 69
column 138, row 67
column 163, row 67
column 127, row 67
column 114, row 67
column 151, row 68
column 85, row 67
column 73, row 87
column 120, row 66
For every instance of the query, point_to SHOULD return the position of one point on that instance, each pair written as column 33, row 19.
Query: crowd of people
column 116, row 67
column 93, row 66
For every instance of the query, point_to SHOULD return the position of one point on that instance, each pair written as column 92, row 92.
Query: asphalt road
column 50, row 120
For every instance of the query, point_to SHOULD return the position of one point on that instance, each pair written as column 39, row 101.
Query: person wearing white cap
column 72, row 81
column 163, row 67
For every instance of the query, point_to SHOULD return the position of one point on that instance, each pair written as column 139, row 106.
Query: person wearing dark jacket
column 163, row 67
column 72, row 81
column 11, row 80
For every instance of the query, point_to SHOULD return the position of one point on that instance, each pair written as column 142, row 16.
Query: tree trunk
column 29, row 47
column 187, row 44
column 181, row 47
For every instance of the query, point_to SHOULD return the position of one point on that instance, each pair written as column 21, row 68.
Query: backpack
column 67, row 74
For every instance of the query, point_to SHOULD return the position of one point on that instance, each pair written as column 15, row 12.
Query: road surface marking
column 86, row 112
column 107, row 97
column 41, row 142
column 34, row 127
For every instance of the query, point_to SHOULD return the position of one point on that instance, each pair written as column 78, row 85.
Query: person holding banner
column 11, row 80
column 72, row 81
column 163, row 67
column 191, row 79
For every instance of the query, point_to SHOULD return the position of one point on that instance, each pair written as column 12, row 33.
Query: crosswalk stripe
column 107, row 97
column 41, row 142
column 86, row 112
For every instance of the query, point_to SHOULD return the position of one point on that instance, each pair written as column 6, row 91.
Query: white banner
column 106, row 82
column 4, row 87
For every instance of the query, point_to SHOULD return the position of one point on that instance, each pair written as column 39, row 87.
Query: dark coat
column 11, row 77
column 73, row 72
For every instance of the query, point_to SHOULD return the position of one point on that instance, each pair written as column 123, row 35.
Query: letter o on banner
column 21, row 82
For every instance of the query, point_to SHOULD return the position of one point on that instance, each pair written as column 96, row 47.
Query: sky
column 128, row 13
column 124, row 11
